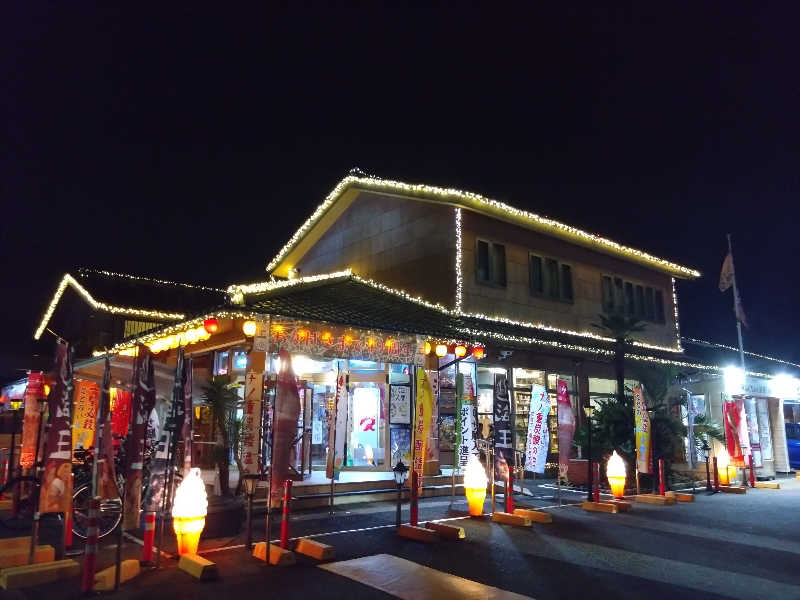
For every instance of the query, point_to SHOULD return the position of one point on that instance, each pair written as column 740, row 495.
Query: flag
column 34, row 391
column 727, row 274
column 287, row 413
column 739, row 310
column 142, row 403
column 503, row 448
column 188, row 421
column 422, row 423
column 251, row 421
column 642, row 430
column 56, row 494
column 465, row 428
column 732, row 442
column 337, row 432
column 566, row 427
column 538, row 434
column 106, row 476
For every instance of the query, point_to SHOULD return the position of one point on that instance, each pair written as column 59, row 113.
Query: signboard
column 341, row 342
column 642, row 430
column 400, row 405
column 538, row 439
column 503, row 448
column 251, row 421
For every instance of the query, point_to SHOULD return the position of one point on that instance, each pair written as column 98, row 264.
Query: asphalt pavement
column 720, row 546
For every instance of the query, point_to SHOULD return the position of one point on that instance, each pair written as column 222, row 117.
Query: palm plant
column 620, row 328
column 221, row 397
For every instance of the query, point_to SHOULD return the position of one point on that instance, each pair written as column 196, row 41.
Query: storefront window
column 239, row 360
column 366, row 424
column 221, row 360
column 399, row 374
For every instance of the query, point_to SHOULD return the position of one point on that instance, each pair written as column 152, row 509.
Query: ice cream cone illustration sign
column 189, row 512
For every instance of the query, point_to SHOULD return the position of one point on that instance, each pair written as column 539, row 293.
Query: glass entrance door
column 366, row 423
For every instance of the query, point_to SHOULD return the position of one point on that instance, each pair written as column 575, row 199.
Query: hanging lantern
column 249, row 328
column 478, row 352
column 441, row 350
column 211, row 325
column 189, row 512
column 615, row 471
column 427, row 348
column 460, row 351
column 475, row 482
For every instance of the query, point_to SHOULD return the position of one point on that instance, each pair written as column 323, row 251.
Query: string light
column 726, row 347
column 83, row 270
column 237, row 292
column 459, row 277
column 69, row 280
column 482, row 204
column 677, row 321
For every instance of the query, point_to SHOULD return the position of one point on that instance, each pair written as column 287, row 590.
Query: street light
column 400, row 476
column 589, row 410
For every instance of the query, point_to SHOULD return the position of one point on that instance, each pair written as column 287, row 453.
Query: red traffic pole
column 661, row 489
column 90, row 552
column 148, row 536
column 716, row 475
column 287, row 497
column 596, row 482
column 68, row 529
column 752, row 473
column 509, row 492
column 414, row 506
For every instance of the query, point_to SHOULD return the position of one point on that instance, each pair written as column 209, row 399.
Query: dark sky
column 189, row 143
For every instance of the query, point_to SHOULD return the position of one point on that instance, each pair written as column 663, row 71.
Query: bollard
column 510, row 492
column 661, row 490
column 67, row 529
column 414, row 506
column 287, row 497
column 596, row 482
column 148, row 537
column 716, row 475
column 90, row 552
column 752, row 473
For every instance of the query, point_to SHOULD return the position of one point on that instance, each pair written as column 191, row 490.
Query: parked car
column 793, row 444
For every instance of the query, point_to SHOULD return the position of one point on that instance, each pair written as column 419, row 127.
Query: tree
column 620, row 328
column 220, row 395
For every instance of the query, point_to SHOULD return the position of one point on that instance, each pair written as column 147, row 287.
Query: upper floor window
column 491, row 263
column 550, row 279
column 633, row 300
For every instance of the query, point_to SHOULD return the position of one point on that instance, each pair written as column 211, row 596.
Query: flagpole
column 735, row 299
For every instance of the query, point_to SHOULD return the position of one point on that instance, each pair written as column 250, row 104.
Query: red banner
column 732, row 433
column 30, row 425
column 56, row 491
column 142, row 403
column 566, row 426
column 284, row 430
column 120, row 412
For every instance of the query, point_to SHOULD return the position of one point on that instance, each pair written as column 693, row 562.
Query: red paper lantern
column 211, row 325
column 478, row 352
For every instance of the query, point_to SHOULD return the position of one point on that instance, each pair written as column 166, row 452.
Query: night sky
column 190, row 143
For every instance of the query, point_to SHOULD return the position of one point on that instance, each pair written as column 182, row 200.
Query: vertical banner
column 120, row 412
column 56, row 491
column 188, row 419
column 642, row 430
column 106, row 477
column 764, row 429
column 538, row 441
column 432, row 448
column 142, row 403
column 741, row 431
column 752, row 430
column 566, row 426
column 30, row 423
column 503, row 448
column 337, row 433
column 287, row 413
column 84, row 414
column 251, row 421
column 731, row 416
column 422, row 423
column 164, row 457
column 466, row 420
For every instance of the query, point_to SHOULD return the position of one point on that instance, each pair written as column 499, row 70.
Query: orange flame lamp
column 475, row 486
column 189, row 512
column 615, row 471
